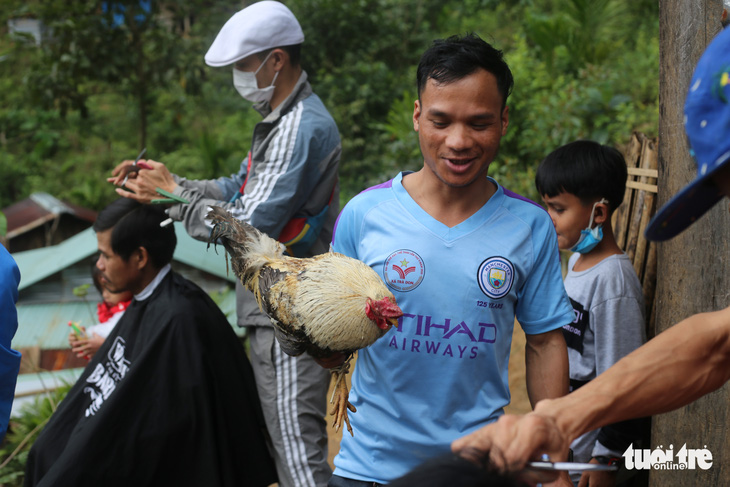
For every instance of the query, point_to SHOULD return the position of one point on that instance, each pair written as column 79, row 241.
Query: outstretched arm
column 672, row 370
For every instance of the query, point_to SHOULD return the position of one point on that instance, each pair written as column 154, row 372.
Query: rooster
column 329, row 305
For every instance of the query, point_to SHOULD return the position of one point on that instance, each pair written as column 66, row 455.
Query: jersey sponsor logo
column 495, row 277
column 403, row 270
column 446, row 337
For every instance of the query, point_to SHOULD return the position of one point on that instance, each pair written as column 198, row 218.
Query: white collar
column 153, row 285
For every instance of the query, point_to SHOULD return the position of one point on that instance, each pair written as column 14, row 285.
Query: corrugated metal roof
column 45, row 325
column 196, row 254
column 38, row 209
column 38, row 264
column 50, row 203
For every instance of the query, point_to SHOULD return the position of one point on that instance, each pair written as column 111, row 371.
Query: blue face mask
column 589, row 237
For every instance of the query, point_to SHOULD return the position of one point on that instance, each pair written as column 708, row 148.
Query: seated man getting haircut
column 169, row 398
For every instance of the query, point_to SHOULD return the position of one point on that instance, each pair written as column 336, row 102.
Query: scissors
column 575, row 466
column 127, row 170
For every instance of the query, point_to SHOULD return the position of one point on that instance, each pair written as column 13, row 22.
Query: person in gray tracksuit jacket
column 287, row 188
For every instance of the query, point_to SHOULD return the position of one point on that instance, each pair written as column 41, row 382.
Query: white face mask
column 248, row 87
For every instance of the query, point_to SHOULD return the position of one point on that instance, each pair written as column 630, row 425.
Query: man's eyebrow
column 436, row 113
column 487, row 116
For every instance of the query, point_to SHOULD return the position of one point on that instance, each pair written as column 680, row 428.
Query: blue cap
column 707, row 123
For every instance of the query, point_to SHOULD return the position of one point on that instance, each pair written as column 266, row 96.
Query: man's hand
column 597, row 478
column 512, row 441
column 562, row 481
column 142, row 184
column 334, row 360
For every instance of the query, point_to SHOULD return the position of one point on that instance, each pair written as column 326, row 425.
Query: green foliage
column 361, row 56
column 599, row 102
column 71, row 111
column 22, row 433
column 94, row 46
column 572, row 33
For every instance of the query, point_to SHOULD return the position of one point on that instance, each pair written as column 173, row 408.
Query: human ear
column 505, row 120
column 279, row 56
column 142, row 258
column 416, row 114
column 601, row 213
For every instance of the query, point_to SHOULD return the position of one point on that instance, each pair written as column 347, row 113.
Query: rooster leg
column 339, row 399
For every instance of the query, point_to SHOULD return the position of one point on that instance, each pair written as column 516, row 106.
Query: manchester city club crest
column 403, row 270
column 495, row 277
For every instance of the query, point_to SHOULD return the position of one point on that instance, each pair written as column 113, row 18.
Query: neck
column 285, row 83
column 605, row 248
column 147, row 275
column 447, row 204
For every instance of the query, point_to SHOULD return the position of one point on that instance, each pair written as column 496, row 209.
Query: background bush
column 93, row 95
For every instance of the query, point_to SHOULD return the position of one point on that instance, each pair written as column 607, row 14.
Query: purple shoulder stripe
column 512, row 194
column 387, row 184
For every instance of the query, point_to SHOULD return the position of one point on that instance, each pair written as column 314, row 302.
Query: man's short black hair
column 294, row 51
column 449, row 60
column 586, row 169
column 136, row 225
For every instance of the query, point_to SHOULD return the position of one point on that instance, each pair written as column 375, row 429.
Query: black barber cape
column 169, row 399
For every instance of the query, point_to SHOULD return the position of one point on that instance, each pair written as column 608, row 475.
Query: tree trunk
column 141, row 91
column 694, row 267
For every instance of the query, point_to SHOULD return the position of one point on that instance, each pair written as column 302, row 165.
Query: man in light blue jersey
column 464, row 257
column 287, row 188
column 680, row 364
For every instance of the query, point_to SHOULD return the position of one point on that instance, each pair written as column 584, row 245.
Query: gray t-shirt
column 609, row 323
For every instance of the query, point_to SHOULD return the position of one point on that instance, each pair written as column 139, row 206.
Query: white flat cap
column 260, row 26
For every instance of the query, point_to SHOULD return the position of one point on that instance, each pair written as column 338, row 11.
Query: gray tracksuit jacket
column 295, row 156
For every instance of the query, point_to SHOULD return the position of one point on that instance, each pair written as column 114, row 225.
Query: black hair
column 452, row 59
column 585, row 169
column 136, row 225
column 451, row 470
column 294, row 51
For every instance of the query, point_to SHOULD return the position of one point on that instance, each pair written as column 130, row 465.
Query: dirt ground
column 520, row 403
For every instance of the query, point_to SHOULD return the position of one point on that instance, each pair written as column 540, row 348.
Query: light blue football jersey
column 443, row 372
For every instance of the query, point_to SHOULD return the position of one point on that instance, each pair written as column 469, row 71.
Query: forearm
column 546, row 366
column 675, row 368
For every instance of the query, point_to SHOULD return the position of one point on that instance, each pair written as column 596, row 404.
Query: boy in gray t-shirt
column 582, row 183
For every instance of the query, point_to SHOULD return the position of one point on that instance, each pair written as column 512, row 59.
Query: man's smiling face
column 460, row 125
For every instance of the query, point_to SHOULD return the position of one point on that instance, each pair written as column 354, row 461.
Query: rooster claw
column 339, row 400
column 339, row 411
